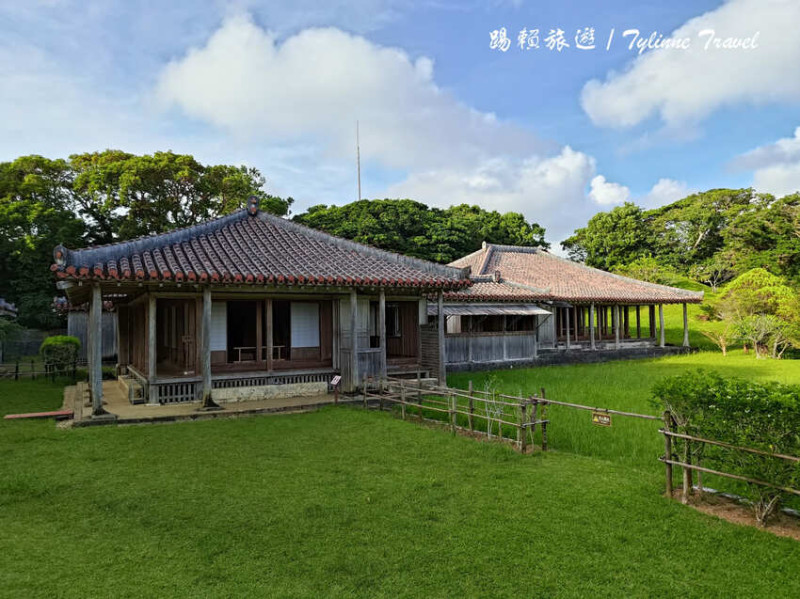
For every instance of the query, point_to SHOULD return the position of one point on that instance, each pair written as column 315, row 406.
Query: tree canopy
column 711, row 236
column 414, row 229
column 103, row 197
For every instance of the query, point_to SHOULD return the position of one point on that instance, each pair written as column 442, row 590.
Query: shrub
column 763, row 416
column 60, row 351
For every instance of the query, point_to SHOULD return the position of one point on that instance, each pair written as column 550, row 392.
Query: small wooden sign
column 336, row 380
column 601, row 419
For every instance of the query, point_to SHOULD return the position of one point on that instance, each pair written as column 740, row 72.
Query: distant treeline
column 710, row 237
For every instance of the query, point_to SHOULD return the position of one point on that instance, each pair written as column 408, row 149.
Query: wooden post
column 687, row 472
column 419, row 394
column 615, row 320
column 543, row 416
column 353, row 339
column 626, row 326
column 668, row 450
column 685, row 326
column 661, row 324
column 566, row 324
column 591, row 326
column 365, row 389
column 270, row 341
column 402, row 399
column 451, row 404
column 523, row 442
column 259, row 335
column 638, row 322
column 535, row 336
column 205, row 351
column 651, row 311
column 152, row 390
column 534, row 418
column 95, row 339
column 382, row 330
column 471, row 416
column 442, row 348
column 575, row 323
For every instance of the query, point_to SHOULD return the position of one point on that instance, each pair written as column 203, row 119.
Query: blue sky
column 445, row 118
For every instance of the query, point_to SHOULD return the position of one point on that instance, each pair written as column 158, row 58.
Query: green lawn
column 344, row 502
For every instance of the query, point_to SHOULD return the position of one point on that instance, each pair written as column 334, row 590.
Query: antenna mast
column 358, row 161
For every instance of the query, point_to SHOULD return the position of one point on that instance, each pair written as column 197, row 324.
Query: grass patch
column 344, row 502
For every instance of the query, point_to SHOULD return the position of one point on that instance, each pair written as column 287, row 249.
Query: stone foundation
column 235, row 394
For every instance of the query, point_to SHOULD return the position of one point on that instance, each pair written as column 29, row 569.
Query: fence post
column 452, row 405
column 687, row 473
column 544, row 421
column 668, row 450
column 419, row 394
column 522, row 427
column 16, row 370
column 365, row 390
column 403, row 399
column 471, row 408
column 33, row 372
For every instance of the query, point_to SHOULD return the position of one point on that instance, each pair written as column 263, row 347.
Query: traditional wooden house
column 526, row 304
column 250, row 304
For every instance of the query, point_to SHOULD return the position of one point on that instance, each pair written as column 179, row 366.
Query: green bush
column 60, row 352
column 763, row 416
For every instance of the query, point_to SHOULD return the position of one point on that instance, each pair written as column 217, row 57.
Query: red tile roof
column 250, row 246
column 519, row 270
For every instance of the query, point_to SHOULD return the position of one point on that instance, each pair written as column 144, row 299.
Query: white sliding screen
column 305, row 324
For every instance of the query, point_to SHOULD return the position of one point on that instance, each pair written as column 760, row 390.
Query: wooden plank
column 52, row 414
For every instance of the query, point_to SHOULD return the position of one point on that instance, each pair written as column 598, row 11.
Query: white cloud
column 318, row 82
column 775, row 166
column 684, row 86
column 665, row 191
column 606, row 193
column 311, row 88
column 550, row 191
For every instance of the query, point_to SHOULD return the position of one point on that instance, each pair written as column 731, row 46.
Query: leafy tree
column 612, row 239
column 414, row 229
column 648, row 269
column 103, row 197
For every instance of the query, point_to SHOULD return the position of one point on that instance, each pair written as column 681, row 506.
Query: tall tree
column 414, row 229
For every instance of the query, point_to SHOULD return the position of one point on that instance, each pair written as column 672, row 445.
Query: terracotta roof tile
column 253, row 248
column 557, row 279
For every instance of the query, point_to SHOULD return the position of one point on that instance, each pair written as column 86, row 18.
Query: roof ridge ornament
column 252, row 205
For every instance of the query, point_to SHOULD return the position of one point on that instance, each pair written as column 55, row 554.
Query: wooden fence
column 687, row 467
column 33, row 369
column 514, row 419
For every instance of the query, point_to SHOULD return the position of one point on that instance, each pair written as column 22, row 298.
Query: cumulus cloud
column 684, row 86
column 312, row 87
column 775, row 166
column 319, row 82
column 665, row 191
column 606, row 193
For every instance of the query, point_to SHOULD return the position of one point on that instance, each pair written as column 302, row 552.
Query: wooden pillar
column 638, row 323
column 95, row 350
column 123, row 339
column 661, row 324
column 205, row 346
column 566, row 324
column 353, row 339
column 152, row 392
column 575, row 326
column 505, row 338
column 442, row 348
column 382, row 330
column 626, row 323
column 591, row 326
column 259, row 335
column 685, row 326
column 269, row 341
column 535, row 337
column 652, row 315
column 615, row 321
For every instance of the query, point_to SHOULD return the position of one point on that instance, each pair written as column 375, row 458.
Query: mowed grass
column 345, row 502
